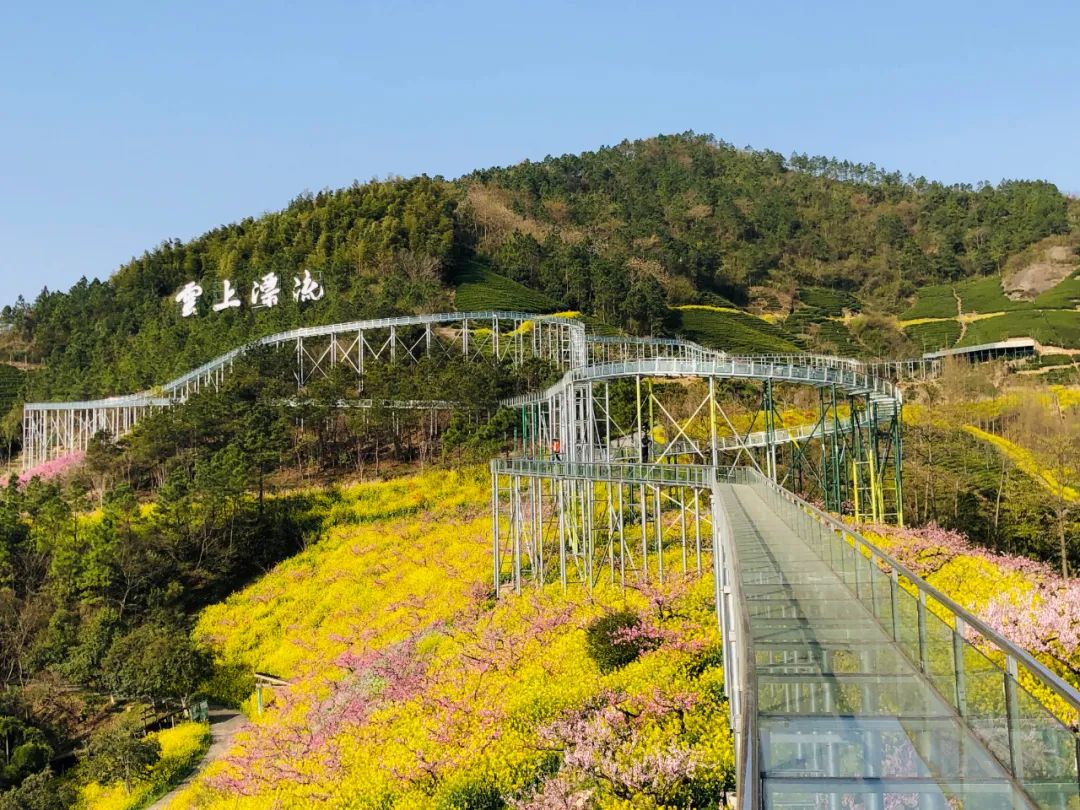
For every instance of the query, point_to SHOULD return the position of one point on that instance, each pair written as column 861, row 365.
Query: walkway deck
column 845, row 719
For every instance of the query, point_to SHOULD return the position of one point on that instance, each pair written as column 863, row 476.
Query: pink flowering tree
column 52, row 468
column 607, row 745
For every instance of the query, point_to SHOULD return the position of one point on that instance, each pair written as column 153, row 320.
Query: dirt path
column 959, row 316
column 224, row 723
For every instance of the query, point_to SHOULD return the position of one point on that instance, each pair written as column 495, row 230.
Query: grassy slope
column 732, row 331
column 479, row 289
column 411, row 688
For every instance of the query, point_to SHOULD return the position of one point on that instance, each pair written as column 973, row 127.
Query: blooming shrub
column 412, row 688
column 616, row 639
column 1023, row 600
column 181, row 749
column 53, row 468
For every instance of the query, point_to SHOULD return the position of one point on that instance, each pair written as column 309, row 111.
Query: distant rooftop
column 1010, row 347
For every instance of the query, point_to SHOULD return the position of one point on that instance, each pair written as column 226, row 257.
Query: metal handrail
column 147, row 397
column 742, row 658
column 1056, row 684
column 674, row 474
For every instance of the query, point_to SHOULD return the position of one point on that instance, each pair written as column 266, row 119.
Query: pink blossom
column 605, row 744
column 52, row 468
column 1045, row 620
column 559, row 792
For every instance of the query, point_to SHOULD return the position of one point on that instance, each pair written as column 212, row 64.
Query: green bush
column 608, row 643
column 230, row 684
column 39, row 791
column 1062, row 375
column 473, row 795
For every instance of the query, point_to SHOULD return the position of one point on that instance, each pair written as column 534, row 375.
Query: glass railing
column 1023, row 714
column 689, row 475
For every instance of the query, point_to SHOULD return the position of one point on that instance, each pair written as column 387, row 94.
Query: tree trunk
column 1064, row 546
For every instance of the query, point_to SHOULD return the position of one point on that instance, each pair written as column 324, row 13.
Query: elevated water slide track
column 54, row 429
column 852, row 682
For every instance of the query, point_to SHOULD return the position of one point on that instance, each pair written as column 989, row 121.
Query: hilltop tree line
column 701, row 217
column 621, row 233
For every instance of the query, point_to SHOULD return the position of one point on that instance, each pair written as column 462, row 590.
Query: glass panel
column 893, row 793
column 984, row 701
column 866, row 588
column 907, row 621
column 872, row 747
column 847, row 719
column 939, row 657
column 1048, row 751
column 881, row 584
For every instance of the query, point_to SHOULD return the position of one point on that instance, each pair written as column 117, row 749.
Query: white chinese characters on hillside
column 306, row 290
column 265, row 293
column 228, row 298
column 187, row 298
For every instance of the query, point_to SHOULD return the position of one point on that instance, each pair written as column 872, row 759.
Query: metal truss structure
column 836, row 656
column 54, row 429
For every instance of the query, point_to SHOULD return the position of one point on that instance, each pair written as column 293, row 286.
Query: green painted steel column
column 898, row 453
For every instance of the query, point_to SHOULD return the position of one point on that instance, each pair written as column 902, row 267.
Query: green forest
column 625, row 234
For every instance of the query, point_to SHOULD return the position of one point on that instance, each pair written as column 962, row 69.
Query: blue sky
column 123, row 124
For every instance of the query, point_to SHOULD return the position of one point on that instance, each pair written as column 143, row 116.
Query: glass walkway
column 869, row 695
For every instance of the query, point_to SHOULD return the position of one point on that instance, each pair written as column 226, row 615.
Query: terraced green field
column 1055, row 327
column 480, row 289
column 1048, row 361
column 734, row 332
column 936, row 301
column 815, row 329
column 1065, row 295
column 986, row 295
column 983, row 295
column 828, row 301
column 929, row 337
column 1061, row 375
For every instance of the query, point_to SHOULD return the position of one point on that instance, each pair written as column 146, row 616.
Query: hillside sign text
column 265, row 293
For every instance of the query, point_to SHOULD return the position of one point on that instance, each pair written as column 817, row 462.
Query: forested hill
column 624, row 233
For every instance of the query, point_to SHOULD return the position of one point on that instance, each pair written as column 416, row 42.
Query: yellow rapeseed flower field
column 410, row 687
